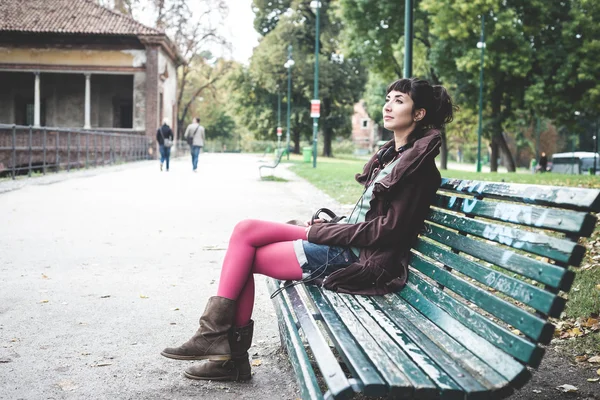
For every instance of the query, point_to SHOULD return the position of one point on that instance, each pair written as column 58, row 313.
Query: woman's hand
column 309, row 225
column 317, row 221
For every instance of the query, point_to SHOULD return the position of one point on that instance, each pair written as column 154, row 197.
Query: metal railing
column 28, row 150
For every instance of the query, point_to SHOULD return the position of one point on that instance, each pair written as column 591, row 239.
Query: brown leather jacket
column 399, row 206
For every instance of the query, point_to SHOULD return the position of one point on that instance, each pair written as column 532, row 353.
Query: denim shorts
column 320, row 260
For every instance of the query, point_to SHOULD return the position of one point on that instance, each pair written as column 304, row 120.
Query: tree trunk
column 296, row 135
column 444, row 151
column 494, row 156
column 511, row 167
column 496, row 125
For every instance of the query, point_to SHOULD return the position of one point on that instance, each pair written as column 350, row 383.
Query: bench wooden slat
column 551, row 275
column 384, row 311
column 531, row 325
column 440, row 324
column 554, row 196
column 443, row 382
column 564, row 251
column 378, row 326
column 533, row 296
column 442, row 360
column 365, row 332
column 518, row 347
column 336, row 380
column 463, row 354
column 298, row 357
column 359, row 364
column 566, row 221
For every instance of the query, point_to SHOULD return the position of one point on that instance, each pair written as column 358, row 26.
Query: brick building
column 364, row 130
column 75, row 64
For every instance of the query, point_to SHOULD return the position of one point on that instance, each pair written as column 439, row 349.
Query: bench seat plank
column 336, row 380
column 360, row 365
column 393, row 311
column 565, row 221
column 298, row 357
column 554, row 196
column 561, row 250
column 443, row 382
column 531, row 325
column 398, row 383
column 518, row 347
column 469, row 354
column 533, row 296
column 443, row 363
column 417, row 381
column 548, row 274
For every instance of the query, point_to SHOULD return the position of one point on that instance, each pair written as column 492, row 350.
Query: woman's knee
column 245, row 227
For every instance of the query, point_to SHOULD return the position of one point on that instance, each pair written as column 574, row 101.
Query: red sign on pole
column 279, row 131
column 315, row 108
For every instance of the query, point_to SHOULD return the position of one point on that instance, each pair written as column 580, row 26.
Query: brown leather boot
column 212, row 338
column 236, row 369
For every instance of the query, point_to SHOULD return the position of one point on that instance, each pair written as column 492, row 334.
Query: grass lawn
column 336, row 178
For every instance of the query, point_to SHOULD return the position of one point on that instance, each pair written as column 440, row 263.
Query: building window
column 364, row 123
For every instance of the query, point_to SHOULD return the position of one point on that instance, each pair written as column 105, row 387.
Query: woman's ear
column 419, row 114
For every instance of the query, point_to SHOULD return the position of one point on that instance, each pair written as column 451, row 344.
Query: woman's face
column 397, row 112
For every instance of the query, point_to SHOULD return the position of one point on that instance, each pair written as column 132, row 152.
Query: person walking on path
column 543, row 163
column 366, row 255
column 194, row 134
column 164, row 136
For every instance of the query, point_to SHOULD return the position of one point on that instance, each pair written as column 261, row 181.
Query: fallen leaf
column 516, row 331
column 176, row 309
column 256, row 363
column 44, row 276
column 595, row 359
column 567, row 388
column 143, row 296
column 580, row 358
column 593, row 379
column 44, row 301
column 590, row 322
column 106, row 296
column 598, row 286
column 575, row 332
column 598, row 371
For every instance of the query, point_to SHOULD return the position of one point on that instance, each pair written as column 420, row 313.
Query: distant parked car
column 576, row 162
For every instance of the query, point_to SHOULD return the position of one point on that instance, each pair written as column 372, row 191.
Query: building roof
column 67, row 17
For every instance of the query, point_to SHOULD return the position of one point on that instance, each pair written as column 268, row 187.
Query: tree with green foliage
column 374, row 32
column 341, row 79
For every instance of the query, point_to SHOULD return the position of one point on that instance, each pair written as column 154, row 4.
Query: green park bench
column 278, row 155
column 485, row 275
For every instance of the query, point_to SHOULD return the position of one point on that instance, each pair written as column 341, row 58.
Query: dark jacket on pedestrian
column 167, row 133
column 397, row 212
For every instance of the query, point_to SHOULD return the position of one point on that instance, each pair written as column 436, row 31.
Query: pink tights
column 257, row 247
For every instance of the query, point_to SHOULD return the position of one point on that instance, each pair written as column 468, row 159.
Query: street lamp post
column 288, row 64
column 315, row 104
column 408, row 37
column 278, row 118
column 480, row 45
column 596, row 144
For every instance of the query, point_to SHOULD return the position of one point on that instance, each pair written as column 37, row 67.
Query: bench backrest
column 495, row 256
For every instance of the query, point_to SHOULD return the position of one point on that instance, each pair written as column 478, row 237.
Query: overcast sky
column 239, row 29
